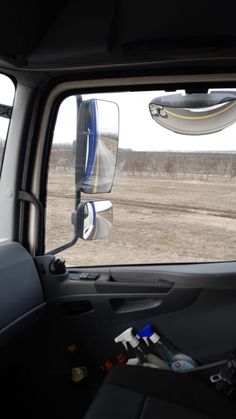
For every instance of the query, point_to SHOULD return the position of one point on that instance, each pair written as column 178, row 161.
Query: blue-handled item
column 146, row 331
column 163, row 348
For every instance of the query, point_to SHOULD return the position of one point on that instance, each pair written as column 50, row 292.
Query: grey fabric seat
column 144, row 393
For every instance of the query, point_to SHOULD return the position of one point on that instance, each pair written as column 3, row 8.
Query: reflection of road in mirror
column 104, row 168
column 98, row 222
column 103, row 226
column 110, row 142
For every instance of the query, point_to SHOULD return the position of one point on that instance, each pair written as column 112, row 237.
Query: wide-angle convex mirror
column 195, row 113
column 96, row 146
column 94, row 220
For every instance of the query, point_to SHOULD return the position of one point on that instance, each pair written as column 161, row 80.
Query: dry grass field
column 154, row 221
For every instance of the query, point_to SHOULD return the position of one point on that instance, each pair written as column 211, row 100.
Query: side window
column 7, row 92
column 174, row 192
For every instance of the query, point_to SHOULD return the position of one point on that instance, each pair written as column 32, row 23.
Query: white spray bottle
column 144, row 356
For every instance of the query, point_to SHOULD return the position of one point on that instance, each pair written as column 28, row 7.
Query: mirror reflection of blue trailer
column 92, row 140
column 96, row 146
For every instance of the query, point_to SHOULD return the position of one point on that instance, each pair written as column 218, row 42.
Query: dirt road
column 154, row 221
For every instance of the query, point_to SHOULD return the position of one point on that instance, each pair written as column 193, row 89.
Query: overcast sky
column 138, row 130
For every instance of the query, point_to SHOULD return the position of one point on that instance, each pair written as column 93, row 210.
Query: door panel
column 192, row 305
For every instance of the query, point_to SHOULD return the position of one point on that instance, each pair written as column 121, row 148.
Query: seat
column 133, row 392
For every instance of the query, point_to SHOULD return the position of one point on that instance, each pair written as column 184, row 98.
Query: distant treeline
column 167, row 163
column 155, row 163
column 170, row 163
column 62, row 156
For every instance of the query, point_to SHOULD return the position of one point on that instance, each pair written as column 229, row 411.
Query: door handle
column 129, row 305
column 125, row 287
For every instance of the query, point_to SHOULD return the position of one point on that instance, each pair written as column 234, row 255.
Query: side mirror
column 96, row 146
column 94, row 220
column 195, row 113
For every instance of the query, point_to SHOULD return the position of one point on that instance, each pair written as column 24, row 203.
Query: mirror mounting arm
column 63, row 247
column 72, row 241
column 92, row 220
column 78, row 103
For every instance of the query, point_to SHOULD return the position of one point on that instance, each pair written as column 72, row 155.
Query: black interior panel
column 192, row 305
column 74, row 33
column 220, row 275
column 159, row 286
column 207, row 327
column 202, row 330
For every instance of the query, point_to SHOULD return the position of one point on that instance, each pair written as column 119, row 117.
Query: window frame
column 41, row 155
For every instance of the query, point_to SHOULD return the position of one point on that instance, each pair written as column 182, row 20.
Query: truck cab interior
column 118, row 113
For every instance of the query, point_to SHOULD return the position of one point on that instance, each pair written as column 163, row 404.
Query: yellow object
column 78, row 374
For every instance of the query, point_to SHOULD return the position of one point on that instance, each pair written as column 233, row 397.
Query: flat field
column 154, row 221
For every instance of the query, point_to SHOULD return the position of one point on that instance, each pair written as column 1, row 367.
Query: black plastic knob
column 58, row 267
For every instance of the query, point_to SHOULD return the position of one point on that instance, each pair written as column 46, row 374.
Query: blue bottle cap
column 146, row 331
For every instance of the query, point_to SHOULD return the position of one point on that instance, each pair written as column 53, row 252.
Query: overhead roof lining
column 68, row 33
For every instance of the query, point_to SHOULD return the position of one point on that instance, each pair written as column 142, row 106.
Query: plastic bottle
column 143, row 354
column 163, row 348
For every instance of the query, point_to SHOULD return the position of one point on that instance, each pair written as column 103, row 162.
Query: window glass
column 61, row 185
column 7, row 92
column 174, row 195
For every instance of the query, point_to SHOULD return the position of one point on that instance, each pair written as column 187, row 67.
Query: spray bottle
column 163, row 348
column 143, row 354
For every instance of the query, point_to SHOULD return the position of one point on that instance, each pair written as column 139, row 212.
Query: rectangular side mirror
column 96, row 146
